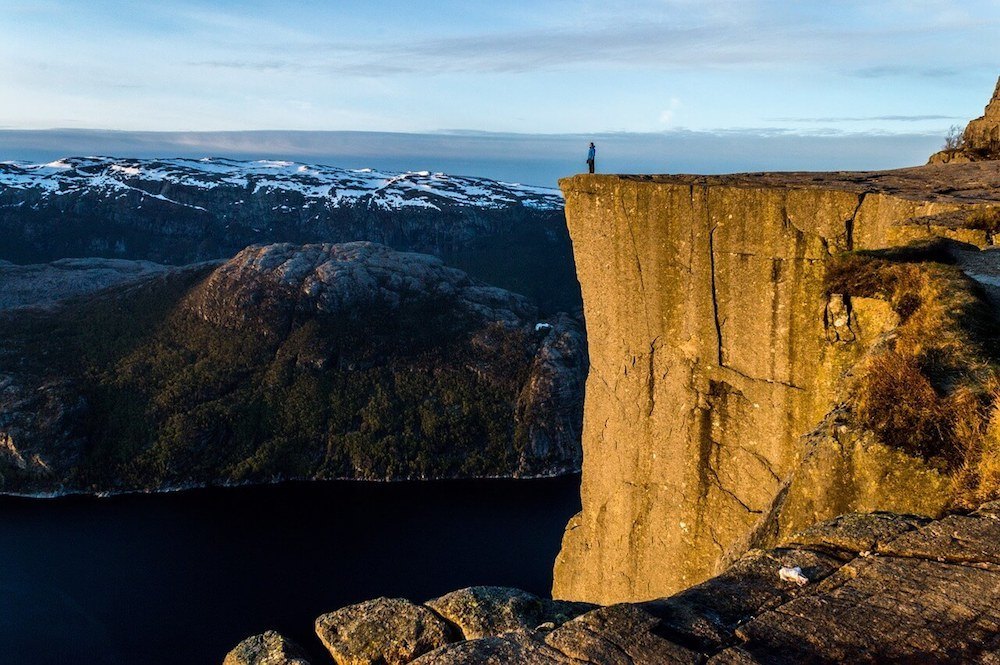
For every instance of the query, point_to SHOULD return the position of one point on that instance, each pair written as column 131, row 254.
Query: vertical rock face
column 980, row 140
column 983, row 133
column 713, row 349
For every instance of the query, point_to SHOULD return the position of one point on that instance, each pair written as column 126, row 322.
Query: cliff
column 286, row 362
column 720, row 406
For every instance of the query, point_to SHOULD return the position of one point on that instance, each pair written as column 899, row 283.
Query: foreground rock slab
column 269, row 648
column 882, row 588
column 384, row 631
column 490, row 611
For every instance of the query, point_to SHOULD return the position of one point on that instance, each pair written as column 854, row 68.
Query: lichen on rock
column 491, row 611
column 384, row 631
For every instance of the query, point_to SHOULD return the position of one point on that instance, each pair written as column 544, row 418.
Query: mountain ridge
column 183, row 211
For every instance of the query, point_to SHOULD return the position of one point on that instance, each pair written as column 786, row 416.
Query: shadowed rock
column 42, row 285
column 269, row 648
column 266, row 285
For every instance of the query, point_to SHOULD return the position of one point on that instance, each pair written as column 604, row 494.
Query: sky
column 884, row 71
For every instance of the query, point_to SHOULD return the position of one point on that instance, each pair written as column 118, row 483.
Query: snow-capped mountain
column 180, row 211
column 319, row 185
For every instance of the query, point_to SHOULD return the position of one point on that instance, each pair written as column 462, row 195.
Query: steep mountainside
column 179, row 211
column 729, row 317
column 315, row 361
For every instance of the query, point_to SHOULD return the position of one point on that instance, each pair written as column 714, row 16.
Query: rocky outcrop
column 180, row 211
column 980, row 140
column 715, row 346
column 871, row 588
column 265, row 287
column 310, row 362
column 270, row 648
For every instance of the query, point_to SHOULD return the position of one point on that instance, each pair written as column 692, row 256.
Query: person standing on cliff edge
column 591, row 154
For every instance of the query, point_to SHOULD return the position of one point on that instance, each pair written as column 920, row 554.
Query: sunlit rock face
column 981, row 139
column 715, row 349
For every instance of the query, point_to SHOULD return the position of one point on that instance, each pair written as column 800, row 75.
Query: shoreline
column 191, row 487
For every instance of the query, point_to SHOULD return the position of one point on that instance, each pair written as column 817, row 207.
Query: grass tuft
column 930, row 388
column 987, row 219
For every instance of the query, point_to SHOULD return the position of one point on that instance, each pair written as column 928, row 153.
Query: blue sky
column 872, row 68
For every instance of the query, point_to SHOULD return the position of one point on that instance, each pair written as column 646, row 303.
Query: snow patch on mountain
column 335, row 187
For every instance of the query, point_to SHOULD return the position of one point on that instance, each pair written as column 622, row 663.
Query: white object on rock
column 793, row 575
column 542, row 326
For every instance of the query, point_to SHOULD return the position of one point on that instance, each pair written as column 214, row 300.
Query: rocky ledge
column 288, row 362
column 862, row 588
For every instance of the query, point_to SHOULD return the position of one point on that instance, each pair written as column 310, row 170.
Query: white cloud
column 667, row 114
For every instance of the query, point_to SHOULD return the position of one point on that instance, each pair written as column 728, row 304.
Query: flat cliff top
column 979, row 181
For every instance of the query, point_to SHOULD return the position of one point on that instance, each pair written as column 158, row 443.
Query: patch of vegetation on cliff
column 986, row 219
column 415, row 391
column 932, row 387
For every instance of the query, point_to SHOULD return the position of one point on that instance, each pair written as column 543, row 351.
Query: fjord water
column 182, row 577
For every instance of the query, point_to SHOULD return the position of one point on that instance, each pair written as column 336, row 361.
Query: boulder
column 384, row 631
column 486, row 611
column 983, row 134
column 268, row 648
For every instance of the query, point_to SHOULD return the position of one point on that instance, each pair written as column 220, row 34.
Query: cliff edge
column 729, row 353
column 862, row 588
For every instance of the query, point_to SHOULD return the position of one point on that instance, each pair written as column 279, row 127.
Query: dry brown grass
column 987, row 219
column 931, row 388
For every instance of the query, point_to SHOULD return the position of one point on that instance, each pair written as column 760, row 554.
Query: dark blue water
column 181, row 578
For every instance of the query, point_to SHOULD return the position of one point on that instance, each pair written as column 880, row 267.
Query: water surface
column 181, row 578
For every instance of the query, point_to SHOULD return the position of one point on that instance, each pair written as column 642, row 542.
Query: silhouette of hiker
column 590, row 156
